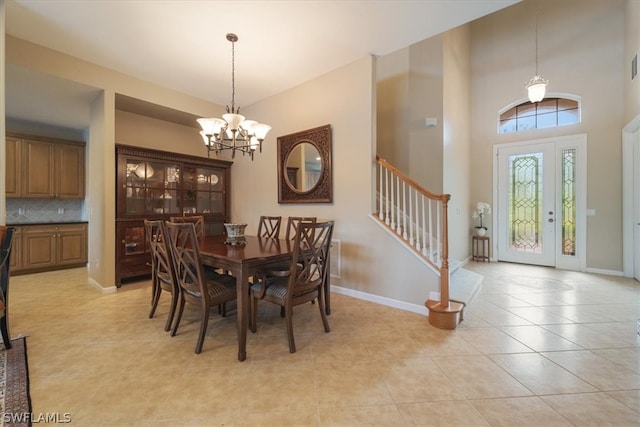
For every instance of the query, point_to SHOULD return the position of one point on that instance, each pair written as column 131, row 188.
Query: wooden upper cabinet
column 68, row 171
column 43, row 168
column 13, row 163
column 37, row 177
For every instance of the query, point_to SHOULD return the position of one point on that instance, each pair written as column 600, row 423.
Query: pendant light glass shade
column 536, row 88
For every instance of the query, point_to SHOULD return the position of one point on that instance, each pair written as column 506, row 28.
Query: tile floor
column 538, row 347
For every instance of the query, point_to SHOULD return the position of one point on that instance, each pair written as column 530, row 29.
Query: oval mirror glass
column 303, row 167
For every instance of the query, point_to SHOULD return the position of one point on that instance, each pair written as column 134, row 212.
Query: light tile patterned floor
column 538, row 347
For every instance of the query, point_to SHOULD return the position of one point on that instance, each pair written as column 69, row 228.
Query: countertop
column 17, row 224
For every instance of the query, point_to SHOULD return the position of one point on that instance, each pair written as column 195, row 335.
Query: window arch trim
column 550, row 95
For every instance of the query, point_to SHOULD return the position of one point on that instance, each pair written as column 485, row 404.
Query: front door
column 540, row 202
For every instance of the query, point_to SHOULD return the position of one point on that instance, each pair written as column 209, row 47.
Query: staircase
column 419, row 218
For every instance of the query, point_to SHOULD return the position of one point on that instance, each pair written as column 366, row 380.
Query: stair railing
column 419, row 218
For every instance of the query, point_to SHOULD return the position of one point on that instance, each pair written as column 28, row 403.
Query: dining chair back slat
column 294, row 221
column 269, row 226
column 196, row 220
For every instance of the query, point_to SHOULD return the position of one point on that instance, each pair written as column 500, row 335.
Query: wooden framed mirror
column 304, row 166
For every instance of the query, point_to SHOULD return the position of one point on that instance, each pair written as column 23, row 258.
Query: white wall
column 631, row 48
column 580, row 52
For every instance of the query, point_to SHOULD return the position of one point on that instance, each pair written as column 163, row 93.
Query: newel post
column 443, row 313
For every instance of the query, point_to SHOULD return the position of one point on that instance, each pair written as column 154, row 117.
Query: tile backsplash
column 26, row 211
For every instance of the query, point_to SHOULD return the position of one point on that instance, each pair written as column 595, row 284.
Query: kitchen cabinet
column 16, row 250
column 153, row 184
column 52, row 246
column 13, row 167
column 45, row 168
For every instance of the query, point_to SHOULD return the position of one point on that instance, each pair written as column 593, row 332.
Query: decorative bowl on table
column 235, row 234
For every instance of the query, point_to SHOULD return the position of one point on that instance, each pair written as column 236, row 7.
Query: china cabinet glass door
column 203, row 191
column 152, row 187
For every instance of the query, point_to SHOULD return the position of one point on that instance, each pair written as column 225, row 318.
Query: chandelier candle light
column 537, row 86
column 233, row 131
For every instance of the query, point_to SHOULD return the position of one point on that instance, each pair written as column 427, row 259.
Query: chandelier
column 537, row 86
column 233, row 131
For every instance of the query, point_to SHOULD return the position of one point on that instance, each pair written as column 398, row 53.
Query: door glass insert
column 525, row 207
column 569, row 202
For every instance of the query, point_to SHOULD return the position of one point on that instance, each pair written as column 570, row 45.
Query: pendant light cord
column 537, row 12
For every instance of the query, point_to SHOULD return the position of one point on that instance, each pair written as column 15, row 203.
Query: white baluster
column 410, row 217
column 398, row 218
column 404, row 210
column 393, row 224
column 430, row 230
column 381, row 213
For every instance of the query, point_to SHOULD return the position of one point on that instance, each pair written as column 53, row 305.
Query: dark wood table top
column 256, row 248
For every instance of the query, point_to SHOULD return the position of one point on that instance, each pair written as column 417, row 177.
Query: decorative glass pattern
column 549, row 112
column 569, row 202
column 525, row 210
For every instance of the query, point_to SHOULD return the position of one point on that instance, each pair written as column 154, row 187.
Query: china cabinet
column 153, row 184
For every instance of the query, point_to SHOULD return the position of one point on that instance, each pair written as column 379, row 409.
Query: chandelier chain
column 233, row 76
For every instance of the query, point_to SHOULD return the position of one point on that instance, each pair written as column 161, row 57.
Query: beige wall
column 3, row 203
column 456, row 130
column 430, row 79
column 371, row 261
column 392, row 111
column 581, row 54
column 101, row 137
column 631, row 48
column 409, row 90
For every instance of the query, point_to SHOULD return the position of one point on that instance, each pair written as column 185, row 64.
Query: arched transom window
column 547, row 113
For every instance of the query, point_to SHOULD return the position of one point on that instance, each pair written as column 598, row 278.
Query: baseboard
column 389, row 302
column 605, row 272
column 464, row 296
column 102, row 290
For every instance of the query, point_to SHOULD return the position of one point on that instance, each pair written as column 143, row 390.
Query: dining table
column 243, row 261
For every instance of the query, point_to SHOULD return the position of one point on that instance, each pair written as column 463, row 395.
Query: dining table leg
column 242, row 288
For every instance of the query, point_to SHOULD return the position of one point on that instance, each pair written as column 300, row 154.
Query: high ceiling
column 182, row 45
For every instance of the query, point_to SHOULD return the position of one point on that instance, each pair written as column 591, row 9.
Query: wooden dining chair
column 306, row 279
column 6, row 244
column 294, row 221
column 163, row 270
column 197, row 220
column 269, row 226
column 196, row 287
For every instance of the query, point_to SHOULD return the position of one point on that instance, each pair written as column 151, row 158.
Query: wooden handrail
column 441, row 197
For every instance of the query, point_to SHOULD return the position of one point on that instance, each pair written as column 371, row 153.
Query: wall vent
column 335, row 258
